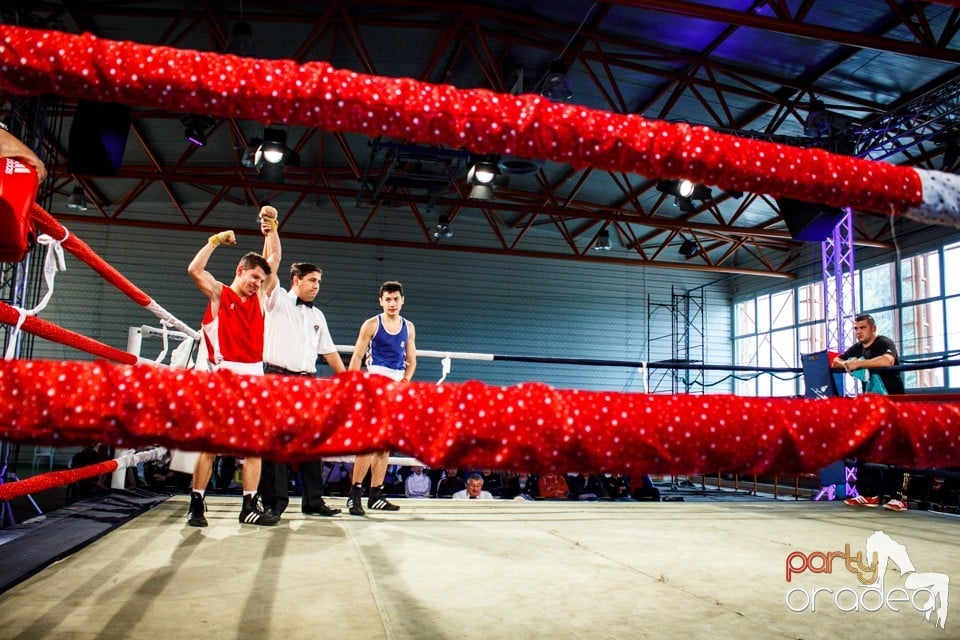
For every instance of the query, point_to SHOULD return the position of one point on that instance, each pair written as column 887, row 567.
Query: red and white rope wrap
column 34, row 62
column 529, row 426
column 45, row 481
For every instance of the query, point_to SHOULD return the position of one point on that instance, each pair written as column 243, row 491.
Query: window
column 746, row 318
column 810, row 302
column 920, row 277
column 783, row 353
column 763, row 314
column 879, row 286
column 923, row 333
column 951, row 264
column 812, row 337
column 888, row 324
column 782, row 310
column 911, row 301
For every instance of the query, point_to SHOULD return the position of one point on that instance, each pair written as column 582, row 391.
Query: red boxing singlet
column 236, row 334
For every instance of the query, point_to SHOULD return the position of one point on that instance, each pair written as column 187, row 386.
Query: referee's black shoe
column 322, row 510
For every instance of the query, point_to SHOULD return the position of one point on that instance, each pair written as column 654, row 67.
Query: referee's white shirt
column 294, row 335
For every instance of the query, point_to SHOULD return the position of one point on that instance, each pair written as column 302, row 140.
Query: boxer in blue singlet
column 386, row 345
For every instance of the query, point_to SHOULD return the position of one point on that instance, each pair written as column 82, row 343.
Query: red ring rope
column 50, row 331
column 34, row 62
column 46, row 481
column 529, row 426
column 48, row 224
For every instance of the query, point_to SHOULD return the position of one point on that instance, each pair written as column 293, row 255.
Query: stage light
column 241, row 41
column 269, row 154
column 482, row 176
column 689, row 248
column 195, row 128
column 77, row 200
column 602, row 241
column 443, row 230
column 556, row 85
column 685, row 192
column 274, row 147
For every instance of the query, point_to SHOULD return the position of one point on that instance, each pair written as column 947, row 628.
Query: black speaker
column 98, row 138
column 809, row 222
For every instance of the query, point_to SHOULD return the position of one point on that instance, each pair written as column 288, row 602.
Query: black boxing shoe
column 195, row 517
column 251, row 513
column 378, row 503
column 355, row 501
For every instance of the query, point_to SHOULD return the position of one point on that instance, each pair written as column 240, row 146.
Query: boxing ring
column 440, row 569
column 492, row 569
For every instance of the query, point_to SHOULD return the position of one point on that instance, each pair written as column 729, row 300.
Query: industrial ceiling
column 877, row 79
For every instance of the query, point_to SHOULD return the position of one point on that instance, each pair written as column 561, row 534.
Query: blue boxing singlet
column 387, row 349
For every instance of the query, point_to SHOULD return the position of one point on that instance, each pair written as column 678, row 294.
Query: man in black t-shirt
column 875, row 352
column 872, row 351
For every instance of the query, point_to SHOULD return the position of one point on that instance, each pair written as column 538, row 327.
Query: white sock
column 200, row 491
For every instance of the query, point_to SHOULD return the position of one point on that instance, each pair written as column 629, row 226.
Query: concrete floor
column 493, row 569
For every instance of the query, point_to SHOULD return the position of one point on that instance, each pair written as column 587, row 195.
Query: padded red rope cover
column 34, row 62
column 529, row 426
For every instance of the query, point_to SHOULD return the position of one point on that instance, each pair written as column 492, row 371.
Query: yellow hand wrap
column 219, row 238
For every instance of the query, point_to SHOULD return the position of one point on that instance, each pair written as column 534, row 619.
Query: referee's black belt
column 272, row 368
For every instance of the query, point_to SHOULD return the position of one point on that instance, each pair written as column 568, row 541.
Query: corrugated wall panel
column 458, row 302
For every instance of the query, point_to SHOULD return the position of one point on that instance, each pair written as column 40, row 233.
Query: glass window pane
column 951, row 264
column 953, row 324
column 746, row 355
column 879, row 286
column 925, row 379
column 763, row 360
column 782, row 308
column 813, row 337
column 810, row 302
column 747, row 351
column 888, row 324
column 923, row 332
column 746, row 385
column 764, row 385
column 954, row 377
column 783, row 352
column 763, row 314
column 920, row 276
column 784, row 385
column 746, row 315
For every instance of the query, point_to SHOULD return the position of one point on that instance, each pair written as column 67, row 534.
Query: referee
column 296, row 333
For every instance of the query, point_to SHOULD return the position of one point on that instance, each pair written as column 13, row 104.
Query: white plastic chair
column 43, row 453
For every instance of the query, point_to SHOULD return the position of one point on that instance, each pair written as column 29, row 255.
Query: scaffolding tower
column 687, row 309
